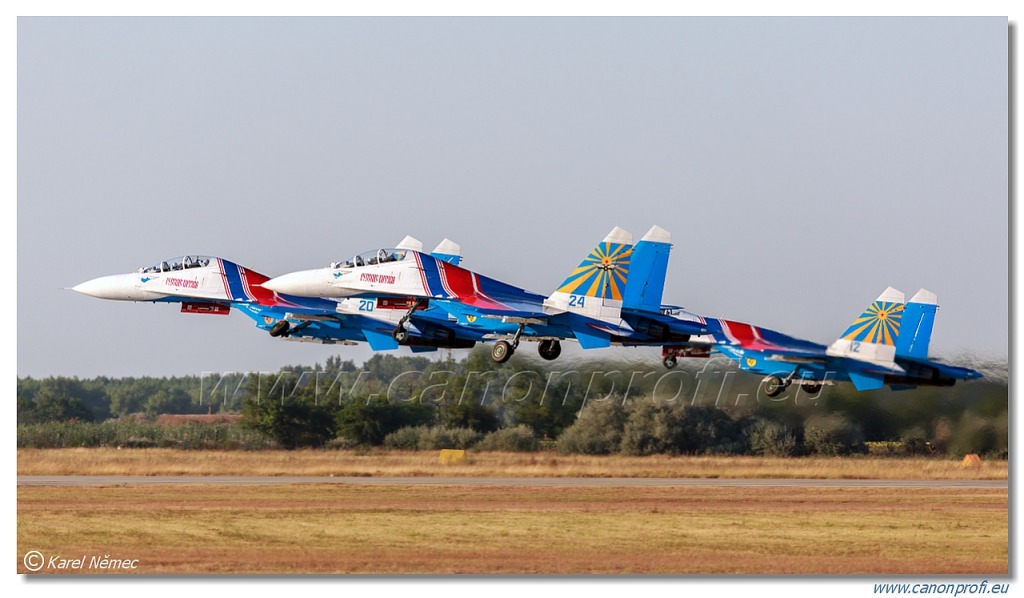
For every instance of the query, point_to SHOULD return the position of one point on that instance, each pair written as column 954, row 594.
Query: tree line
column 587, row 406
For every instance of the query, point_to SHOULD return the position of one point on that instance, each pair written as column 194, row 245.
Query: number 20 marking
column 366, row 304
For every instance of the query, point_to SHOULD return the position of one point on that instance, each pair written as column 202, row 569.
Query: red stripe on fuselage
column 457, row 281
column 224, row 279
column 252, row 282
column 744, row 334
column 462, row 285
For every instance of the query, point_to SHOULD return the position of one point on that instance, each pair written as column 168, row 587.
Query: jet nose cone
column 308, row 283
column 105, row 287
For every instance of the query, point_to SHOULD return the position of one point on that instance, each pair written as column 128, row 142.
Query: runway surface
column 114, row 480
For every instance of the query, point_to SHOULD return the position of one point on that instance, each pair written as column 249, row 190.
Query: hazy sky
column 802, row 165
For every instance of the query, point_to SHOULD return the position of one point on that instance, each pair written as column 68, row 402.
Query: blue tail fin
column 647, row 269
column 916, row 329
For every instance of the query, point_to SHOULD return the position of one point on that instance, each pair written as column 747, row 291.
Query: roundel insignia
column 268, row 320
column 751, row 362
column 471, row 319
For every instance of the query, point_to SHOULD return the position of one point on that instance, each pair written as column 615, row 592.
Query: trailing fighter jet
column 886, row 345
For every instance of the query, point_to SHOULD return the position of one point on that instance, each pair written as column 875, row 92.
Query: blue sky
column 802, row 165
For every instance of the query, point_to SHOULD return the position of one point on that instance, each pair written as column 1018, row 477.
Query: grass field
column 514, row 530
column 374, row 529
column 83, row 461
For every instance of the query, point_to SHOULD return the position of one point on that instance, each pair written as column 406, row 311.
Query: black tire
column 549, row 349
column 773, row 386
column 669, row 362
column 280, row 329
column 812, row 389
column 502, row 351
column 401, row 335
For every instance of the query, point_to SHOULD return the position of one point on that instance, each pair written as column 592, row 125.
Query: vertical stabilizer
column 918, row 319
column 648, row 267
column 448, row 251
column 872, row 336
column 595, row 288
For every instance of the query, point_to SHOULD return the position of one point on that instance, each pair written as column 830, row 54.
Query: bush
column 132, row 434
column 973, row 434
column 403, row 439
column 709, row 430
column 833, row 435
column 515, row 439
column 369, row 422
column 597, row 431
column 771, row 438
column 423, row 438
column 650, row 429
column 654, row 429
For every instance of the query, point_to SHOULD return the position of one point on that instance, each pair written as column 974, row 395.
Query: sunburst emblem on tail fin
column 602, row 274
column 879, row 324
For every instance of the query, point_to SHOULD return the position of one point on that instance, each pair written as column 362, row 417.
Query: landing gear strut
column 400, row 334
column 502, row 351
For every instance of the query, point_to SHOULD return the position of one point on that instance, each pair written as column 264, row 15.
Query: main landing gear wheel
column 773, row 386
column 549, row 349
column 812, row 389
column 280, row 329
column 502, row 351
column 401, row 335
column 669, row 362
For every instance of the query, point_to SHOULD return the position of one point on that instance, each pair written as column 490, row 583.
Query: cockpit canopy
column 380, row 256
column 184, row 262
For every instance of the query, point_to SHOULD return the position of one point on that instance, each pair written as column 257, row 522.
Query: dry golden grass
column 511, row 530
column 397, row 463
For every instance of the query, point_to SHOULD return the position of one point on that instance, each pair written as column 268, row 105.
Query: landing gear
column 773, row 386
column 549, row 349
column 669, row 362
column 400, row 334
column 280, row 329
column 503, row 350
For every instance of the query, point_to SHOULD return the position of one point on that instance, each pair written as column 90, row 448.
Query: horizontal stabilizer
column 591, row 339
column 866, row 381
column 379, row 341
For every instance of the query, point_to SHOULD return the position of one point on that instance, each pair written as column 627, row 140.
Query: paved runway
column 113, row 480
